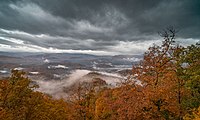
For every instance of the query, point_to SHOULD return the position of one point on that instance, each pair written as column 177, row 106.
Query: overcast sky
column 103, row 27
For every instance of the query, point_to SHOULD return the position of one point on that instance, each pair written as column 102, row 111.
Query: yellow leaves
column 125, row 102
column 194, row 116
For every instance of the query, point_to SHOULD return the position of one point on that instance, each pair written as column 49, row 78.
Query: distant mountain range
column 53, row 65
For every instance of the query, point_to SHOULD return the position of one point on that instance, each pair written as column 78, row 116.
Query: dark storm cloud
column 145, row 16
column 94, row 24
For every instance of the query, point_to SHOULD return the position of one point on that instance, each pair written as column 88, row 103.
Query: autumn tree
column 158, row 73
column 84, row 98
column 122, row 103
column 19, row 101
column 159, row 96
column 190, row 61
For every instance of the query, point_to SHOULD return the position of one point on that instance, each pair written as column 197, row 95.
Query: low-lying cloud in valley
column 56, row 88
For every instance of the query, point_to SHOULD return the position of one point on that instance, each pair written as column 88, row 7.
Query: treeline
column 169, row 90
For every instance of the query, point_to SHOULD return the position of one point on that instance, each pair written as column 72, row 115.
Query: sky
column 100, row 27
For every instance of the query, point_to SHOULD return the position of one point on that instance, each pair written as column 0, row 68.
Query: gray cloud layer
column 115, row 26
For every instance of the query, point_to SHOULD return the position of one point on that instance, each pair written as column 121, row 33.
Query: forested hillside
column 169, row 90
